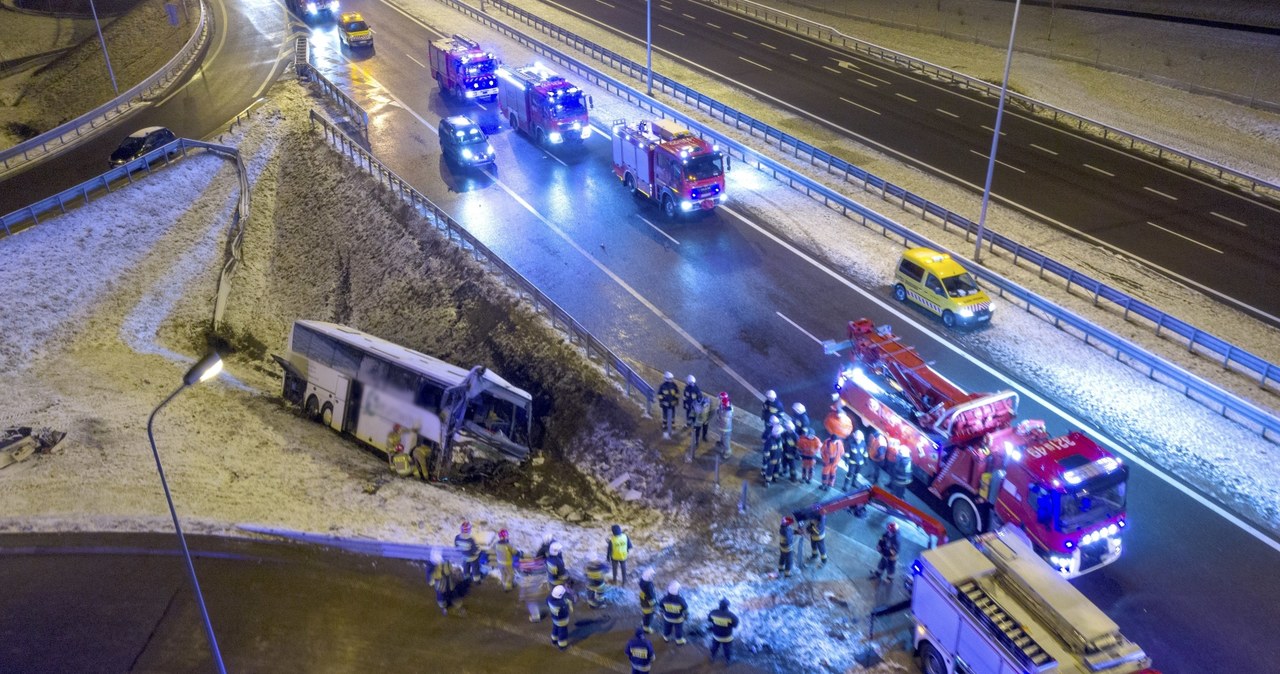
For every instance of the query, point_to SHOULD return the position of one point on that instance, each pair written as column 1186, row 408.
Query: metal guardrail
column 813, row 29
column 1157, row 368
column 52, row 142
column 442, row 221
column 353, row 110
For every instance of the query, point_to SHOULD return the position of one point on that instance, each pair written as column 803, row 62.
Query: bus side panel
column 379, row 413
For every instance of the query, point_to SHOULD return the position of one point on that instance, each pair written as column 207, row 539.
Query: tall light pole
column 110, row 72
column 995, row 137
column 207, row 368
column 648, row 43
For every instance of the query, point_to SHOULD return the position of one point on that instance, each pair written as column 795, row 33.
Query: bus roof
column 445, row 373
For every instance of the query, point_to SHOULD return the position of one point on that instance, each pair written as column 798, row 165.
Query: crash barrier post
column 1227, row 355
column 56, row 140
column 525, row 289
column 742, row 500
column 355, row 113
column 1118, row 137
column 301, row 56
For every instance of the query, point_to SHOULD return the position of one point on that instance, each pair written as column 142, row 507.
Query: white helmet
column 771, row 394
column 777, row 430
column 548, row 538
column 674, row 587
column 668, row 376
column 798, row 408
column 691, row 379
column 790, row 425
column 858, row 436
column 436, row 557
column 554, row 549
column 558, row 592
column 648, row 574
column 773, row 420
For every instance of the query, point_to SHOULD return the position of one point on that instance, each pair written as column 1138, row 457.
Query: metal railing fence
column 357, row 114
column 442, row 221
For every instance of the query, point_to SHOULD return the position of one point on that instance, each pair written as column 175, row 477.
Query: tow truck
column 991, row 605
column 544, row 105
column 462, row 69
column 1066, row 495
column 665, row 162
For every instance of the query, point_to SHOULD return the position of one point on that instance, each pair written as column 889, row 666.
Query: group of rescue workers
column 546, row 574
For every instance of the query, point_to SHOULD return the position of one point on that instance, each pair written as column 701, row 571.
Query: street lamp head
column 205, row 369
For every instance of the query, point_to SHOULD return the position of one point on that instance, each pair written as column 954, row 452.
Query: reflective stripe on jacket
column 674, row 608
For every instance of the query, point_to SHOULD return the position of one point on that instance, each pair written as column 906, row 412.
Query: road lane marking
column 755, row 64
column 1170, row 197
column 859, row 105
column 607, row 4
column 831, row 69
column 716, row 26
column 213, row 56
column 987, row 128
column 948, row 113
column 766, row 44
column 1045, row 149
column 882, row 81
column 658, row 230
column 797, row 56
column 742, row 36
column 1102, row 171
column 870, row 84
column 845, row 64
column 1184, row 236
column 988, row 157
column 689, row 16
column 415, row 60
column 906, row 97
column 795, row 325
column 959, row 351
column 1230, row 220
column 671, row 29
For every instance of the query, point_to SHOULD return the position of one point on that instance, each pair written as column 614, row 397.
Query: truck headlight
column 555, row 137
column 471, row 94
column 586, row 132
column 311, row 8
column 575, row 126
column 488, row 149
column 686, row 205
column 333, row 6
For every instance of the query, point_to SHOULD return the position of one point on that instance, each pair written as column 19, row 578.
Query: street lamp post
column 648, row 44
column 995, row 137
column 204, row 370
column 110, row 72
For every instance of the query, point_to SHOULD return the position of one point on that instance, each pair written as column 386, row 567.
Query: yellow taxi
column 938, row 283
column 353, row 31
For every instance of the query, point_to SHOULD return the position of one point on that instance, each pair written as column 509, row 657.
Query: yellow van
column 938, row 283
column 353, row 31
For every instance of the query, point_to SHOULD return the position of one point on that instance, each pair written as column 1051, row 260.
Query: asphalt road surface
column 1217, row 239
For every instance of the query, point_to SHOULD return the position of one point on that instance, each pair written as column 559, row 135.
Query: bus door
column 340, row 398
column 351, row 420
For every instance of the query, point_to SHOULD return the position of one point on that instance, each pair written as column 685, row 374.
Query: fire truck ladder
column 1004, row 628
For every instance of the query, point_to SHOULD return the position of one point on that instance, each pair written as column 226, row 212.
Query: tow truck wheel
column 669, row 207
column 964, row 514
column 312, row 408
column 900, row 293
column 326, row 415
column 931, row 660
column 948, row 319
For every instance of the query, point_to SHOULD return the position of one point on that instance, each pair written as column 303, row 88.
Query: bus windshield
column 500, row 416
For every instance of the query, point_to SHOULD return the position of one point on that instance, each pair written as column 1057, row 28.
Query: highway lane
column 243, row 56
column 1210, row 237
column 710, row 290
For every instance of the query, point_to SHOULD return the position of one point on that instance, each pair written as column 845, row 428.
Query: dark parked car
column 464, row 143
column 141, row 142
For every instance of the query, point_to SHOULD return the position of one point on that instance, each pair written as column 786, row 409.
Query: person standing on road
column 724, row 426
column 772, row 406
column 648, row 600
column 561, row 608
column 617, row 550
column 773, row 455
column 674, row 611
column 723, row 623
column 442, row 581
column 557, row 571
column 808, row 445
column 533, row 586
column 901, row 475
column 691, row 395
column 466, row 545
column 832, row 450
column 855, row 455
column 668, row 396
column 505, row 554
column 887, row 546
column 801, row 417
column 640, row 653
column 817, row 528
column 786, row 543
column 595, row 583
column 789, row 453
column 877, row 447
column 701, row 418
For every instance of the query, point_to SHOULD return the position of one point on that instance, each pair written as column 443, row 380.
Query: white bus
column 365, row 386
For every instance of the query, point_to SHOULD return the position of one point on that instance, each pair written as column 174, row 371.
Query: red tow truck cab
column 544, row 105
column 664, row 161
column 1065, row 494
column 463, row 70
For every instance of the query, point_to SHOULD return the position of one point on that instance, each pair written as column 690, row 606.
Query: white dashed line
column 882, row 81
column 859, row 105
column 1183, row 236
column 766, row 44
column 1044, row 149
column 1103, row 172
column 795, row 325
column 797, row 56
column 716, row 26
column 607, row 4
column 831, row 69
column 658, row 229
column 906, row 97
column 1170, row 197
column 949, row 114
column 689, row 16
column 1230, row 220
column 870, row 84
column 998, row 161
column 671, row 29
column 742, row 36
column 415, row 60
column 755, row 64
column 987, row 128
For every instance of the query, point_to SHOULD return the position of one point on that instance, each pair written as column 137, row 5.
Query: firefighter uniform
column 618, row 549
column 466, row 546
column 691, row 395
column 832, row 450
column 504, row 554
column 723, row 622
column 595, row 584
column 442, row 582
column 561, row 609
column 648, row 601
column 887, row 546
column 674, row 611
column 668, row 396
column 640, row 653
column 877, row 448
column 789, row 452
column 772, row 455
column 772, row 408
column 817, row 529
column 786, row 543
column 801, row 418
column 901, row 476
column 855, row 455
column 557, row 572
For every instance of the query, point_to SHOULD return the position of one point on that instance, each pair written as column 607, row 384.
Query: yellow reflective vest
column 619, row 545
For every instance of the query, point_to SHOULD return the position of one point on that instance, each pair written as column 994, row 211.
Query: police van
column 939, row 284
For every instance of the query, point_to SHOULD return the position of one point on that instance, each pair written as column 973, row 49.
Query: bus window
column 429, row 395
column 346, row 359
column 401, row 379
column 373, row 370
column 492, row 414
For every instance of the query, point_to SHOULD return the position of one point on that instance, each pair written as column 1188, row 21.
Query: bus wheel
column 312, row 408
column 326, row 415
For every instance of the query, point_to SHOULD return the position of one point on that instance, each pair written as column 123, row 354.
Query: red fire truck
column 664, row 161
column 463, row 70
column 1066, row 494
column 543, row 104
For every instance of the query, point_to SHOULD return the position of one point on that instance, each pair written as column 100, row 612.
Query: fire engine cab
column 544, row 105
column 463, row 70
column 664, row 161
